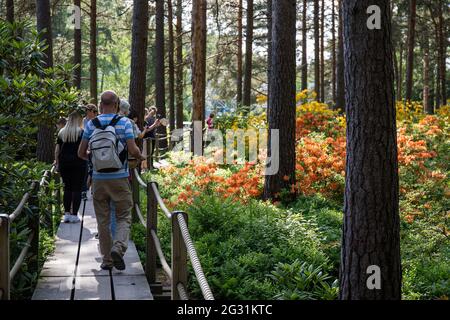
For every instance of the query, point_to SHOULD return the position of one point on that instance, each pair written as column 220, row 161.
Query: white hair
column 124, row 106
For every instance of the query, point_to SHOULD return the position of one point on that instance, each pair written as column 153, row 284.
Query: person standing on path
column 71, row 167
column 111, row 185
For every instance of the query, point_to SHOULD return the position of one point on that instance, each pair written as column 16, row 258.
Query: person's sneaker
column 96, row 236
column 84, row 195
column 106, row 266
column 74, row 218
column 67, row 218
column 118, row 262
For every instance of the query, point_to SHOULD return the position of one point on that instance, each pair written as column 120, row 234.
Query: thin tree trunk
column 93, row 52
column 179, row 65
column 45, row 137
column 316, row 50
column 442, row 54
column 269, row 46
column 239, row 56
column 77, row 50
column 426, row 75
column 304, row 46
column 333, row 53
column 340, row 83
column 371, row 235
column 139, row 59
column 198, row 67
column 281, row 114
column 396, row 75
column 411, row 43
column 400, row 75
column 438, row 86
column 160, row 93
column 10, row 11
column 248, row 55
column 171, row 66
column 322, row 52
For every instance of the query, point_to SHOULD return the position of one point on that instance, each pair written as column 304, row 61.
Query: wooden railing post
column 157, row 148
column 48, row 222
column 34, row 226
column 179, row 256
column 135, row 192
column 58, row 197
column 152, row 223
column 149, row 154
column 4, row 257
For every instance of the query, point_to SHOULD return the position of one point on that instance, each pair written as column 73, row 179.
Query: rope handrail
column 204, row 286
column 160, row 253
column 21, row 257
column 160, row 200
column 21, row 205
column 139, row 179
column 139, row 213
column 182, row 291
column 44, row 178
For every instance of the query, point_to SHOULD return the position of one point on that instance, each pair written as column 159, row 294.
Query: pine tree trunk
column 171, row 66
column 239, row 56
column 316, row 50
column 371, row 234
column 198, row 65
column 269, row 45
column 248, row 55
column 340, row 83
column 10, row 11
column 411, row 43
column 304, row 46
column 442, row 54
column 93, row 52
column 160, row 93
column 333, row 53
column 139, row 59
column 45, row 137
column 322, row 52
column 179, row 67
column 400, row 75
column 426, row 75
column 281, row 114
column 77, row 51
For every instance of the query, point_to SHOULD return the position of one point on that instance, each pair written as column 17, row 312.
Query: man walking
column 111, row 184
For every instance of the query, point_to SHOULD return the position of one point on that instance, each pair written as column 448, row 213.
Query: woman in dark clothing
column 71, row 168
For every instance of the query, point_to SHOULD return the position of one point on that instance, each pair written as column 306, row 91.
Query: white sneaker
column 67, row 218
column 74, row 218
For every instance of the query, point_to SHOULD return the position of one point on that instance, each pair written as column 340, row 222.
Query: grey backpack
column 108, row 153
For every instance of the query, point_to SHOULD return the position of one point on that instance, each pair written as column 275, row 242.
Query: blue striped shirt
column 124, row 131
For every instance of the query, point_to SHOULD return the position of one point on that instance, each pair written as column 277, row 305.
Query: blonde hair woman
column 71, row 167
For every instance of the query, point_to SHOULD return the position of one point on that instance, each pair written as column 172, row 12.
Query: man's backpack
column 108, row 153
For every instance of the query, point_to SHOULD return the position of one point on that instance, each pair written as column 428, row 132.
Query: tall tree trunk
column 333, row 53
column 304, row 46
column 198, row 67
column 269, row 46
column 438, row 86
column 322, row 51
column 248, row 55
column 371, row 236
column 139, row 41
column 442, row 53
column 316, row 50
column 45, row 143
column 10, row 11
column 77, row 50
column 239, row 56
column 281, row 114
column 411, row 43
column 160, row 93
column 400, row 75
column 340, row 83
column 179, row 67
column 426, row 75
column 93, row 52
column 171, row 66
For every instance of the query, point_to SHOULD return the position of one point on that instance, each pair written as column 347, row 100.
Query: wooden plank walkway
column 63, row 279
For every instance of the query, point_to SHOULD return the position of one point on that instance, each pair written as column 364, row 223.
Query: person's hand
column 142, row 158
column 157, row 122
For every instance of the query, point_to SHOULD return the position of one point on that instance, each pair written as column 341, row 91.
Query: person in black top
column 150, row 124
column 71, row 167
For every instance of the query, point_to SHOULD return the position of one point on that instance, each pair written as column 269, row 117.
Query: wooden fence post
column 179, row 256
column 33, row 225
column 58, row 197
column 4, row 257
column 135, row 192
column 152, row 223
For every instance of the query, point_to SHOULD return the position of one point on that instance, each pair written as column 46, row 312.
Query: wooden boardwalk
column 73, row 271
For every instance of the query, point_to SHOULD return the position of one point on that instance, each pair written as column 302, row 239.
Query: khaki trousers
column 118, row 191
